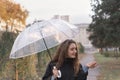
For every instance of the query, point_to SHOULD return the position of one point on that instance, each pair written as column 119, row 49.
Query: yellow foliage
column 12, row 14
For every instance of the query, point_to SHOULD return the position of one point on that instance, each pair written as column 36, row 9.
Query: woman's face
column 72, row 50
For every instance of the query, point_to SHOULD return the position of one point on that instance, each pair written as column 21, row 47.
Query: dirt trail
column 92, row 73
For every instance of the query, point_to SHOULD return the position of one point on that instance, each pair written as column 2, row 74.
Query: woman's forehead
column 72, row 45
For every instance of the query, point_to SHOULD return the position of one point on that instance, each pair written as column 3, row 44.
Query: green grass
column 109, row 67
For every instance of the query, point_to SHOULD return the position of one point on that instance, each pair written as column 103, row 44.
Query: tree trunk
column 16, row 71
column 101, row 50
column 16, row 76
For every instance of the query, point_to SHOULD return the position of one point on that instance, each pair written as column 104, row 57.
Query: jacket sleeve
column 48, row 73
column 82, row 75
column 85, row 69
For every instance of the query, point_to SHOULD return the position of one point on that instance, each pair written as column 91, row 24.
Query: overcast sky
column 79, row 10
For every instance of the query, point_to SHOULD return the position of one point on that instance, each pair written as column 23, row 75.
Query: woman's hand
column 55, row 72
column 92, row 64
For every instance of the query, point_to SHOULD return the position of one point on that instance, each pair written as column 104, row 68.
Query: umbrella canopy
column 41, row 36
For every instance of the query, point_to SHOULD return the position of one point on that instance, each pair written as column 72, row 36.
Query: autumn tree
column 12, row 14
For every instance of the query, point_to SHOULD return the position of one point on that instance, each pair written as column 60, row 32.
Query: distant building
column 63, row 17
column 84, row 34
column 56, row 17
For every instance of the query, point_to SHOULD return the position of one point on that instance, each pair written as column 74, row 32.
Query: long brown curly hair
column 62, row 53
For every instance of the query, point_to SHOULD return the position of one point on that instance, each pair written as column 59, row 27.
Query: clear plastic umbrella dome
column 40, row 36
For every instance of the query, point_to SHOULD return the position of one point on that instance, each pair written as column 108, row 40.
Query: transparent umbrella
column 42, row 35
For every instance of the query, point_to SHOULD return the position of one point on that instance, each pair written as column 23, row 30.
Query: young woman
column 66, row 65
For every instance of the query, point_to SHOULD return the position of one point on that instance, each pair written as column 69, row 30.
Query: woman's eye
column 73, row 49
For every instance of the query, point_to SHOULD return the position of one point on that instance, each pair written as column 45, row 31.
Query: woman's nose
column 75, row 50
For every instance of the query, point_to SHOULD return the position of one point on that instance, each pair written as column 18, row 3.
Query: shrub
column 81, row 49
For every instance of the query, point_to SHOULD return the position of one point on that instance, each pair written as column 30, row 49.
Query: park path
column 92, row 73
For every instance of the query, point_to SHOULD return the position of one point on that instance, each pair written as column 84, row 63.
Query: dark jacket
column 67, row 71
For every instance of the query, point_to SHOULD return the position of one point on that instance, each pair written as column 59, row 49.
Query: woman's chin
column 72, row 57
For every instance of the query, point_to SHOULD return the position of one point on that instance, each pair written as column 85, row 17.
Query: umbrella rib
column 60, row 30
